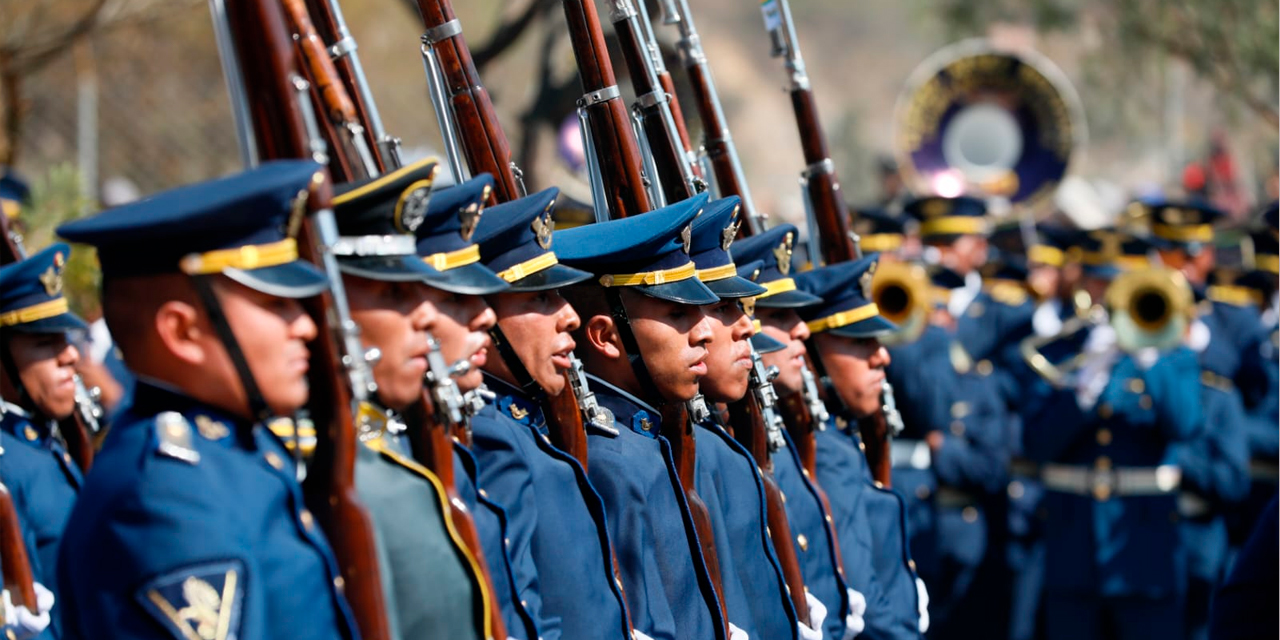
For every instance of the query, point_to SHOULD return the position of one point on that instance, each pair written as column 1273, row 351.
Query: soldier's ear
column 179, row 327
column 602, row 336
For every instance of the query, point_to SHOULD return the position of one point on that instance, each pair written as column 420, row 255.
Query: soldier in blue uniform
column 1104, row 437
column 544, row 490
column 402, row 301
column 643, row 337
column 37, row 362
column 955, row 232
column 767, row 260
column 729, row 480
column 192, row 522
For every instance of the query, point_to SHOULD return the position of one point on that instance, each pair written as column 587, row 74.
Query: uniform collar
column 628, row 410
column 511, row 401
column 151, row 397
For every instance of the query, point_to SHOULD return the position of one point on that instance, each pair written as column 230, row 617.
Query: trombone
column 1148, row 308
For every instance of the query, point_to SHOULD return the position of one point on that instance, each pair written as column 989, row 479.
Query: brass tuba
column 1147, row 308
column 904, row 295
column 978, row 120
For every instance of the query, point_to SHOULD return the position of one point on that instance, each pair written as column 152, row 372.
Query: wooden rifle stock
column 16, row 564
column 281, row 132
column 799, row 421
column 749, row 430
column 564, row 419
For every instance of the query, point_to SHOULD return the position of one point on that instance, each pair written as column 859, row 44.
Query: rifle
column 19, row 580
column 281, row 125
column 614, row 146
column 825, row 202
column 77, row 430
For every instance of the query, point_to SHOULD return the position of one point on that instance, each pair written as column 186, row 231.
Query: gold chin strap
column 676, row 274
column 453, row 259
column 843, row 318
column 253, row 256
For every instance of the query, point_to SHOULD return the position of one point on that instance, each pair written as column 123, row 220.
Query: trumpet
column 1147, row 308
column 904, row 295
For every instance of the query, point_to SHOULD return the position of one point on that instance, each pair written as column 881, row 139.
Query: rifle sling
column 257, row 405
column 518, row 371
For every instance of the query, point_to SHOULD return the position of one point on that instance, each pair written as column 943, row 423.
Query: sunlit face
column 856, row 369
column 673, row 339
column 462, row 328
column 728, row 352
column 45, row 363
column 394, row 317
column 785, row 326
column 537, row 325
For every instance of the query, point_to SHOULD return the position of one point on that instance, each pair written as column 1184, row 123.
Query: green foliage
column 56, row 198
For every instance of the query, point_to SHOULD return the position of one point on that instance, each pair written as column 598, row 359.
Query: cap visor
column 388, row 268
column 764, row 343
column 290, row 280
column 687, row 291
column 553, row 277
column 60, row 323
column 793, row 299
column 472, row 279
column 735, row 287
column 870, row 328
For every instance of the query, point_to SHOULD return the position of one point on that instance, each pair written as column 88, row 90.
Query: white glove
column 854, row 622
column 737, row 634
column 21, row 621
column 922, row 596
column 817, row 615
column 636, row 634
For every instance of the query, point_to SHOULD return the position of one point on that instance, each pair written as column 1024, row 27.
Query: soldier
column 729, row 481
column 37, row 364
column 192, row 522
column 643, row 339
column 832, row 572
column 546, row 493
column 1114, row 562
column 433, row 584
column 953, row 230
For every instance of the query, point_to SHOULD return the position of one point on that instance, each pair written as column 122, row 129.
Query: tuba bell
column 904, row 295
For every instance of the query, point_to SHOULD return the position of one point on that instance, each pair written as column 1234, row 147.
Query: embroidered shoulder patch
column 198, row 602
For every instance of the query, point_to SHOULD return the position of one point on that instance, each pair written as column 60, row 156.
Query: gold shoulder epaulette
column 1009, row 293
column 1215, row 381
column 1233, row 295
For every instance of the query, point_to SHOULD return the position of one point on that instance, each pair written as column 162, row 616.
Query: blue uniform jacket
column 546, row 492
column 48, row 484
column 871, row 524
column 667, row 584
column 754, row 588
column 1117, row 546
column 191, row 522
column 817, row 547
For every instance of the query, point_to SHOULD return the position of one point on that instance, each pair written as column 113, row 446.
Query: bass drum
column 979, row 121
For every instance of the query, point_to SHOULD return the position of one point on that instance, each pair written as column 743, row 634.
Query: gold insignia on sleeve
column 52, row 280
column 470, row 217
column 783, row 253
column 543, row 226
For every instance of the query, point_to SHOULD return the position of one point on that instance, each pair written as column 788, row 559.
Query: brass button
column 803, row 542
column 984, row 368
column 274, row 460
column 308, row 520
column 1016, row 489
column 959, row 409
column 862, row 446
column 1136, row 385
column 1103, row 463
column 922, row 492
column 879, row 485
column 30, row 433
column 1104, row 410
column 912, row 564
column 970, row 514
column 339, row 584
column 1145, row 402
column 957, row 428
column 1104, row 437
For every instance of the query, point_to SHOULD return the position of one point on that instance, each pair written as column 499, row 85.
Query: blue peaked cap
column 238, row 226
column 759, row 339
column 515, row 242
column 31, row 298
column 846, row 309
column 646, row 253
column 445, row 238
column 773, row 249
column 713, row 232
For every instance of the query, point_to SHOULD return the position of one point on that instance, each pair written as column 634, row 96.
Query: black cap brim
column 387, row 268
column 553, row 277
column 473, row 279
column 794, row 299
column 765, row 343
column 872, row 327
column 290, row 280
column 60, row 323
column 735, row 287
column 687, row 291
